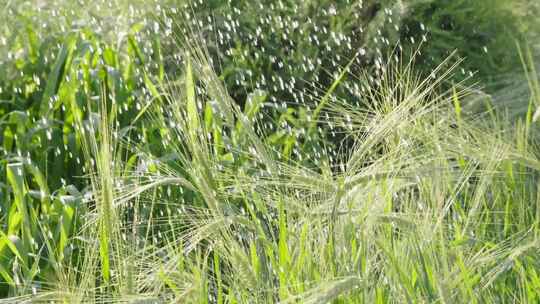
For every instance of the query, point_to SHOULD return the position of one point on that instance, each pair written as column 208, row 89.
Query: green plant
column 484, row 34
column 189, row 193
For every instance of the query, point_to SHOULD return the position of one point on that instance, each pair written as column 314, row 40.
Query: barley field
column 269, row 151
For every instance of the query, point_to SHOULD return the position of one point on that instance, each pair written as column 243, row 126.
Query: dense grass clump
column 142, row 168
column 427, row 204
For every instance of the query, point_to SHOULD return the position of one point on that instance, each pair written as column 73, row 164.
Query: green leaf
column 15, row 176
column 56, row 76
column 283, row 250
column 329, row 93
column 192, row 113
column 457, row 104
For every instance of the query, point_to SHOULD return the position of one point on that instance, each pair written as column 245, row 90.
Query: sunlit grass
column 412, row 188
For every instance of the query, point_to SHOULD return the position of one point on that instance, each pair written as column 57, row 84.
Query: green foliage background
column 66, row 65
